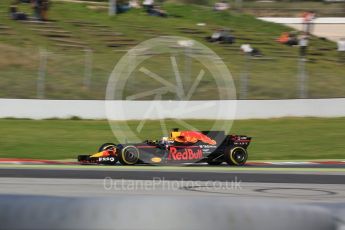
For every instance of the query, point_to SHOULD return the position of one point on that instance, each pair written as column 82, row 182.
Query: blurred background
column 70, row 52
column 67, row 49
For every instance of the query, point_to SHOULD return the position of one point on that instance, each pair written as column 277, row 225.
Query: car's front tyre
column 106, row 146
column 129, row 155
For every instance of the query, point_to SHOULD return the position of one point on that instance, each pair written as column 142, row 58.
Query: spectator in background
column 248, row 50
column 134, row 4
column 157, row 11
column 303, row 45
column 289, row 39
column 37, row 7
column 153, row 10
column 14, row 14
column 222, row 36
column 341, row 49
column 216, row 36
column 40, row 9
column 283, row 38
column 221, row 6
column 148, row 5
column 308, row 18
column 122, row 6
column 44, row 10
column 312, row 17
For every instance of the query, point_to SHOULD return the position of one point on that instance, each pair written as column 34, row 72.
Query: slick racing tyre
column 106, row 146
column 236, row 156
column 129, row 155
column 109, row 146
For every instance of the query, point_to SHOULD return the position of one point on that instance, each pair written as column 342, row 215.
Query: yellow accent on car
column 100, row 154
column 156, row 159
column 174, row 135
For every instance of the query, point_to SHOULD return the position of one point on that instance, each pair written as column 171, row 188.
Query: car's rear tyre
column 129, row 155
column 236, row 156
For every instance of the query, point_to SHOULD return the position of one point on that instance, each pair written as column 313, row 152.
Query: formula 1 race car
column 213, row 147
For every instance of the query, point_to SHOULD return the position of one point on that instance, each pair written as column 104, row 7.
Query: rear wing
column 239, row 140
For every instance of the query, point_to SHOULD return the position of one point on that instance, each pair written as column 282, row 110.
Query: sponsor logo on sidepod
column 184, row 154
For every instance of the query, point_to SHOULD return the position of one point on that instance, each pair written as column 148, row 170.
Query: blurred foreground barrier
column 138, row 110
column 158, row 212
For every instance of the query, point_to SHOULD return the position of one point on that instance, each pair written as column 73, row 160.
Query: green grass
column 274, row 8
column 277, row 78
column 279, row 8
column 294, row 8
column 178, row 168
column 274, row 139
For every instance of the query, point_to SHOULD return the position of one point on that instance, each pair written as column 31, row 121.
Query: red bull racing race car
column 213, row 147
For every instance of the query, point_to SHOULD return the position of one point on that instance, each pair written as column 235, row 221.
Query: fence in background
column 83, row 74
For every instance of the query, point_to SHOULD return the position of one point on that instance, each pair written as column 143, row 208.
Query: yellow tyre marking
column 232, row 158
column 123, row 154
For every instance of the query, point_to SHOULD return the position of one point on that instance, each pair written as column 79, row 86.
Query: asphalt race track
column 199, row 175
column 294, row 184
column 313, row 197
